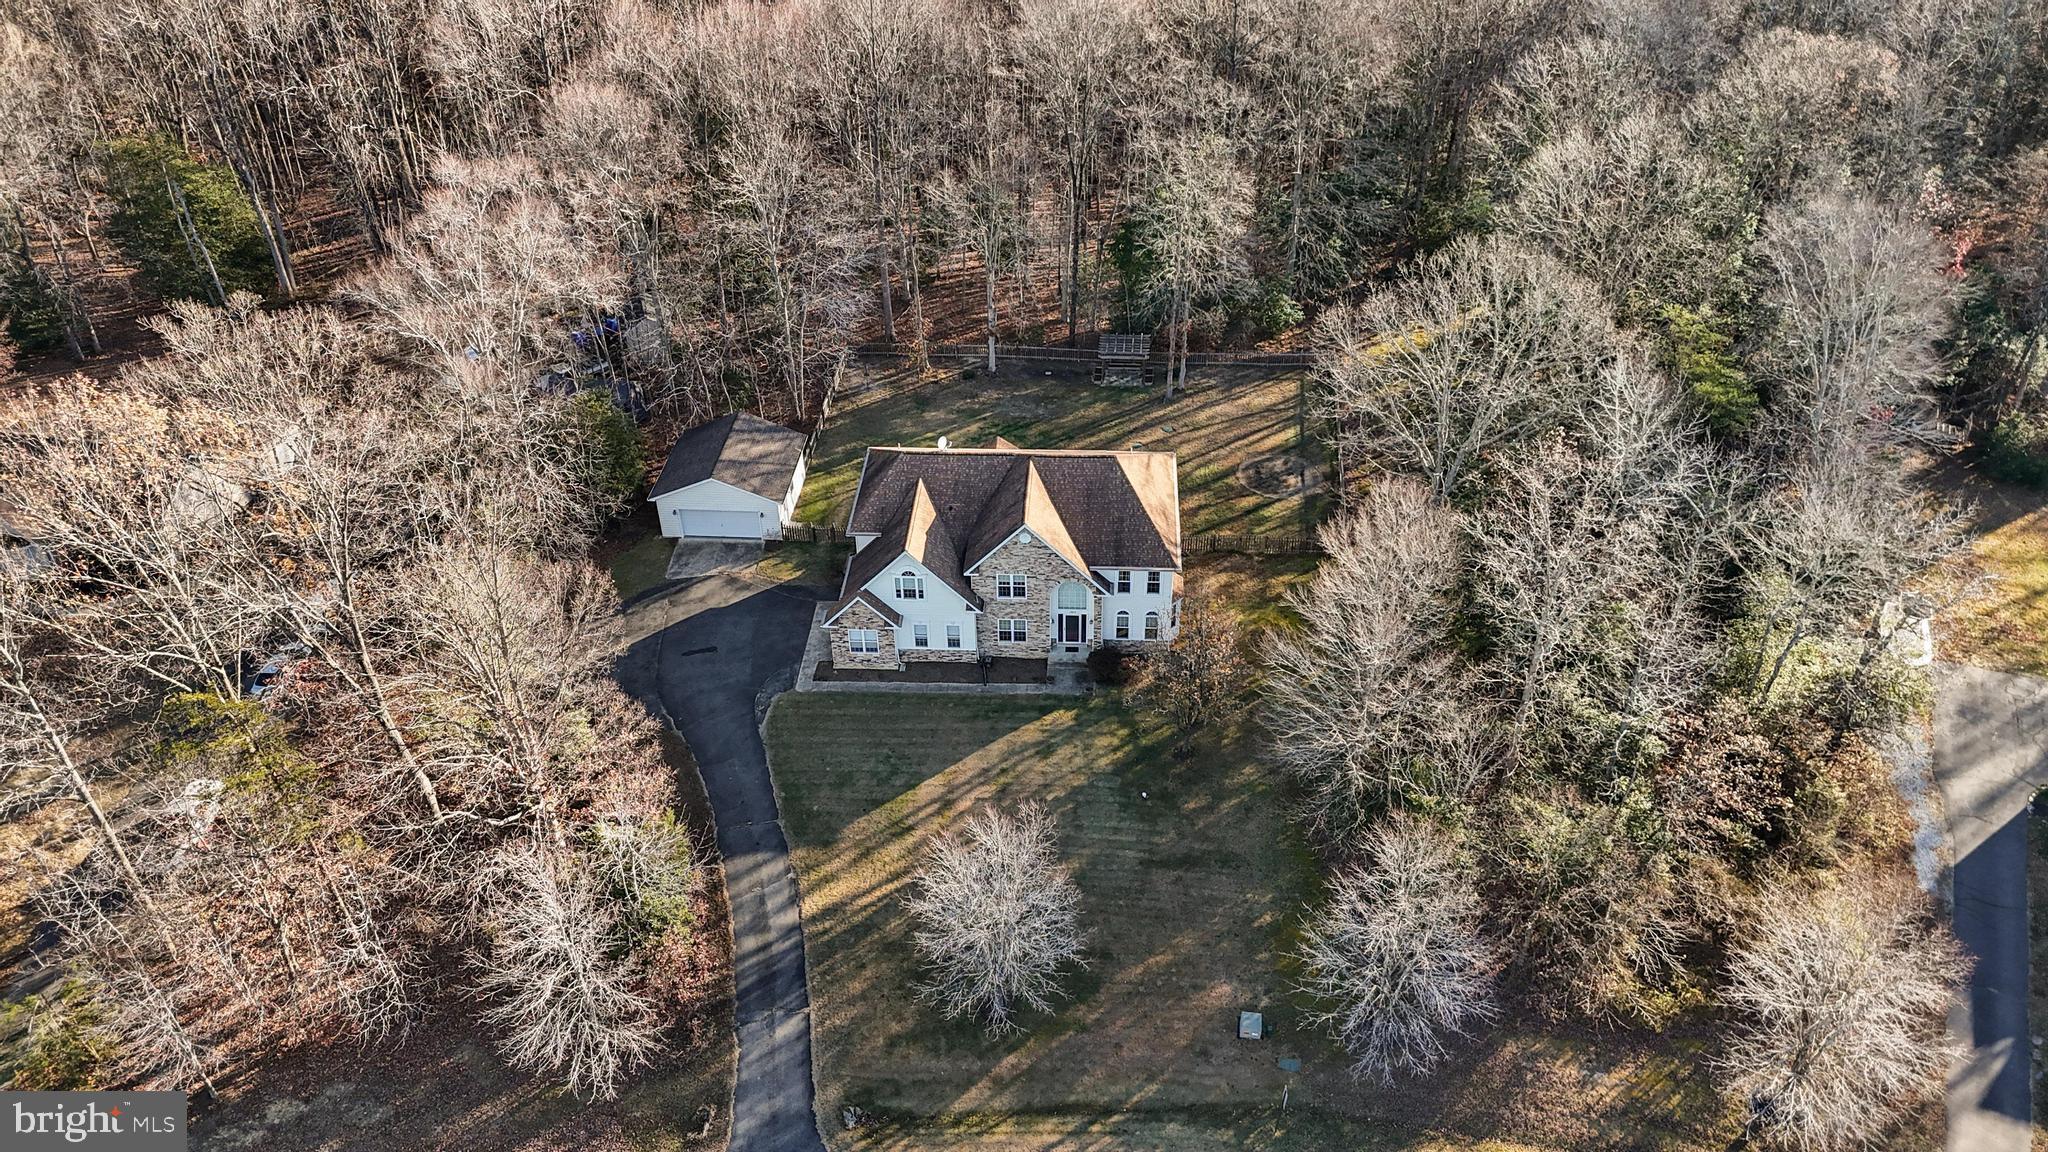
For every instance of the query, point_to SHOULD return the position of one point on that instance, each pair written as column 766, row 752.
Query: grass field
column 2006, row 625
column 1192, row 885
column 1227, row 419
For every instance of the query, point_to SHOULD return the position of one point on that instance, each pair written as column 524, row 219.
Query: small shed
column 736, row 478
column 1122, row 360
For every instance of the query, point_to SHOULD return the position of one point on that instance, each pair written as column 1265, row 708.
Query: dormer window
column 1123, row 581
column 909, row 586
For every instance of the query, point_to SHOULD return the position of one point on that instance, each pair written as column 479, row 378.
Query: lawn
column 1229, row 418
column 1192, row 885
column 641, row 565
column 2005, row 626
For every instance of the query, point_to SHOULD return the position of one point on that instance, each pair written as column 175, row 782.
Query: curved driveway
column 1990, row 757
column 705, row 657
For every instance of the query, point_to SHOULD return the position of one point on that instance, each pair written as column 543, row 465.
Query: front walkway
column 1990, row 757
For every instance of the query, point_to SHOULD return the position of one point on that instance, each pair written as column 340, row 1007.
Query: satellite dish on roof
column 944, row 443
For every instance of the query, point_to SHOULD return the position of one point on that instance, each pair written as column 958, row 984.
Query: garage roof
column 739, row 449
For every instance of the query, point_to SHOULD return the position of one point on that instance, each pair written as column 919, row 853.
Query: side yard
column 2004, row 626
column 1238, row 433
column 1193, row 885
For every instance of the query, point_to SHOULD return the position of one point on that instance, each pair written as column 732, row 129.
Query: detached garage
column 736, row 478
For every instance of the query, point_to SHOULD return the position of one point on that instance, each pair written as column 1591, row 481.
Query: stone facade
column 938, row 652
column 1044, row 570
column 859, row 615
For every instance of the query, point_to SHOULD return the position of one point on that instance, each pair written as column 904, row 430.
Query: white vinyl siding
column 714, row 509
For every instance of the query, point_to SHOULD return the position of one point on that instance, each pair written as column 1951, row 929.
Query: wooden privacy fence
column 1254, row 543
column 1081, row 356
column 1250, row 543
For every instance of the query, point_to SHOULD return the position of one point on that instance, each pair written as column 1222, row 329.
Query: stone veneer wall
column 859, row 615
column 1043, row 570
column 938, row 652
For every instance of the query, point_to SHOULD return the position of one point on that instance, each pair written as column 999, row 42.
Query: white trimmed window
column 1123, row 625
column 952, row 635
column 1010, row 586
column 863, row 641
column 1152, row 582
column 909, row 586
column 1013, row 631
column 920, row 636
column 1151, row 625
column 1123, row 581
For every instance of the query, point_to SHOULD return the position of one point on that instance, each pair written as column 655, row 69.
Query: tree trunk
column 84, row 793
column 1778, row 666
column 888, row 289
column 988, row 265
column 195, row 242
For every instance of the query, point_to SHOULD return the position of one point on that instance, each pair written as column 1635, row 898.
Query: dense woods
column 1626, row 316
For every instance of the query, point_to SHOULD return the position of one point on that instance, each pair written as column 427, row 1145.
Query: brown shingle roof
column 871, row 600
column 920, row 532
column 739, row 449
column 1101, row 509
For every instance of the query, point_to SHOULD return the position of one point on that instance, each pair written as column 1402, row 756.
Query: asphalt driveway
column 1990, row 757
column 705, row 657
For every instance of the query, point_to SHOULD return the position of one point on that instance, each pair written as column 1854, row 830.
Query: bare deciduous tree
column 1193, row 227
column 566, row 1000
column 1396, row 954
column 1483, row 344
column 1844, row 995
column 1200, row 678
column 998, row 918
column 1364, row 707
column 1860, row 303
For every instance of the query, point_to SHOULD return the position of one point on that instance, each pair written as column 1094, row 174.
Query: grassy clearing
column 1229, row 417
column 818, row 565
column 1192, row 885
column 2006, row 626
column 641, row 565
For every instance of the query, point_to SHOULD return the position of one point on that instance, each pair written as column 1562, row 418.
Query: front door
column 1073, row 628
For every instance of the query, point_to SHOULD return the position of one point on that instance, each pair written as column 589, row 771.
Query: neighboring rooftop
column 739, row 449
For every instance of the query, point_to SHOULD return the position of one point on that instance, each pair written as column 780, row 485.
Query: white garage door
column 705, row 522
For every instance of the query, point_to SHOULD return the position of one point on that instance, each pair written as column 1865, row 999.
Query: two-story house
column 962, row 553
